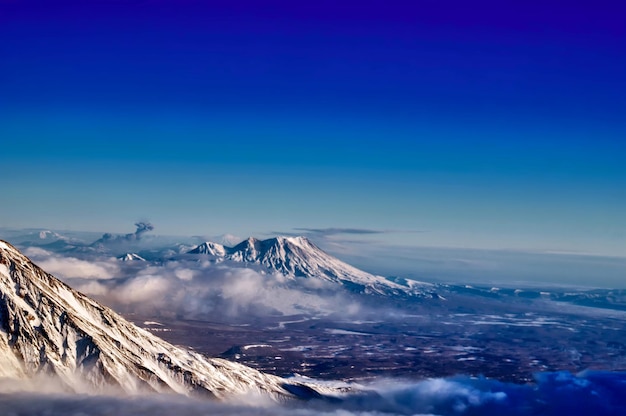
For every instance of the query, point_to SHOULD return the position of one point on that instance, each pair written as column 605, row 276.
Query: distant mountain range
column 46, row 327
column 298, row 258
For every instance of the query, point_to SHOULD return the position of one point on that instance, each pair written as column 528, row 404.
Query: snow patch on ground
column 335, row 331
column 247, row 347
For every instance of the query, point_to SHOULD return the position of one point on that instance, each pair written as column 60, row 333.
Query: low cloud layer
column 559, row 393
column 192, row 287
column 591, row 393
column 72, row 267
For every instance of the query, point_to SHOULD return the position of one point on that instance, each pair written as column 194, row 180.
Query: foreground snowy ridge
column 298, row 257
column 46, row 327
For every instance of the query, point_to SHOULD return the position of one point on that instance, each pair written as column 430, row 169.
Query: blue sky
column 486, row 126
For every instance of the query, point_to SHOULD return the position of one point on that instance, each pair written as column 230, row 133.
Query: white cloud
column 142, row 289
column 74, row 268
column 195, row 289
column 91, row 287
column 597, row 393
column 36, row 252
column 184, row 274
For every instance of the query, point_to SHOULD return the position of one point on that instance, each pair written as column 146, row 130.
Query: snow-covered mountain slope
column 131, row 257
column 41, row 238
column 47, row 327
column 298, row 257
column 210, row 248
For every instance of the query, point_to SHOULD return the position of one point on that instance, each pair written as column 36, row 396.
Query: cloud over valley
column 192, row 288
column 561, row 393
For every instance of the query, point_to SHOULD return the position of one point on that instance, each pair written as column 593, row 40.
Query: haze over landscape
column 420, row 203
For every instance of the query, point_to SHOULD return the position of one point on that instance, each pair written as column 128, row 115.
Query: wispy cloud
column 72, row 267
column 335, row 231
column 354, row 231
column 199, row 289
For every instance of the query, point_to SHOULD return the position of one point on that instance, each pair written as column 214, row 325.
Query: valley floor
column 501, row 338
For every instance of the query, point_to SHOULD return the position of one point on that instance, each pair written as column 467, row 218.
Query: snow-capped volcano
column 298, row 257
column 213, row 249
column 131, row 257
column 47, row 327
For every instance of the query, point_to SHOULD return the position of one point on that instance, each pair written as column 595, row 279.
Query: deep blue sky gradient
column 485, row 124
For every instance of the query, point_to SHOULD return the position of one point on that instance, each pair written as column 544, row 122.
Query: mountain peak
column 246, row 251
column 210, row 248
column 298, row 257
column 131, row 257
column 297, row 240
